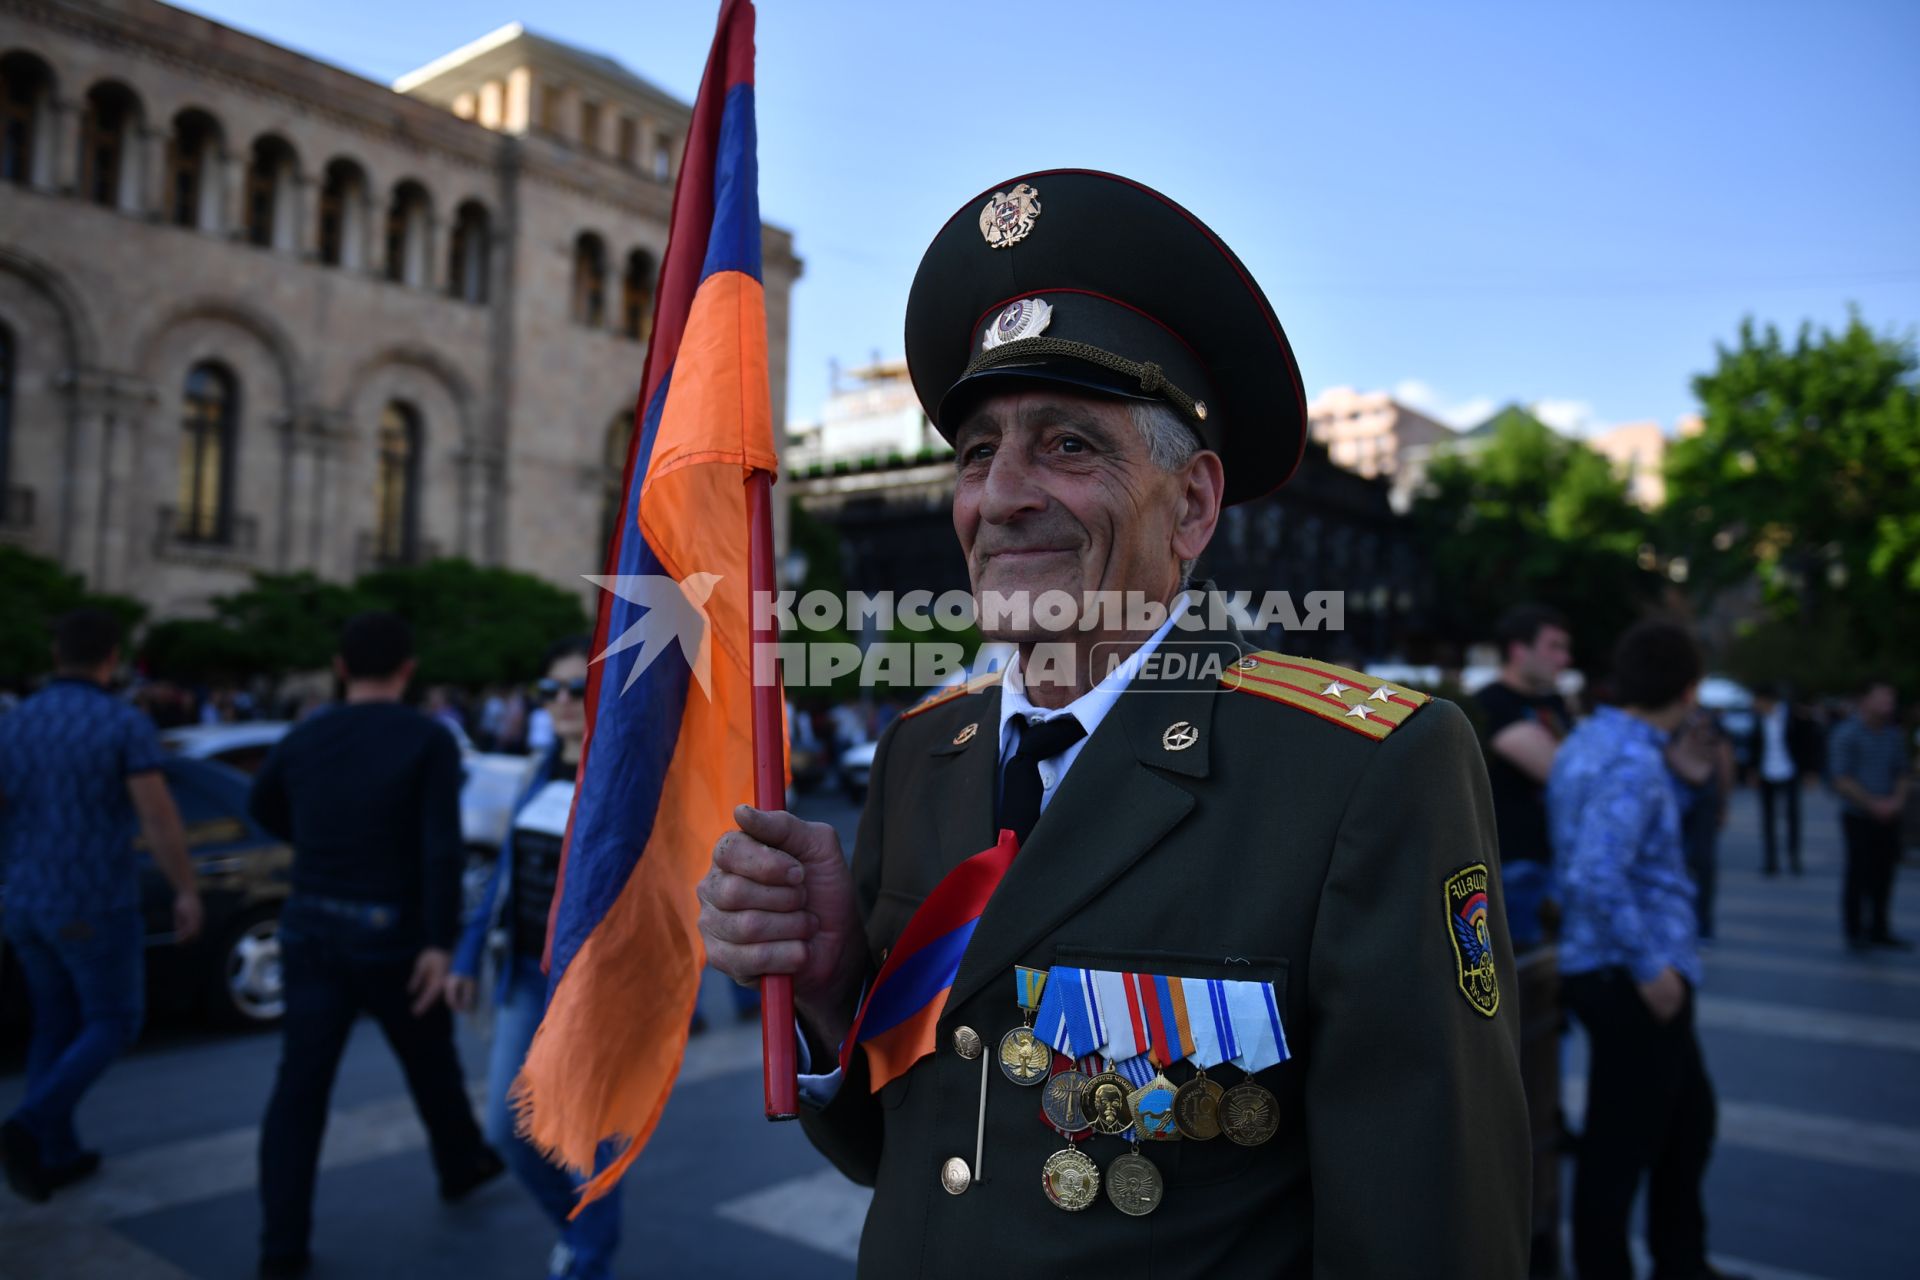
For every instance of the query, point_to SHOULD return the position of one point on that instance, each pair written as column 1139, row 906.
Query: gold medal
column 1071, row 1179
column 1152, row 1106
column 1105, row 1102
column 1064, row 1101
column 1023, row 1058
column 1134, row 1185
column 1249, row 1114
column 1196, row 1108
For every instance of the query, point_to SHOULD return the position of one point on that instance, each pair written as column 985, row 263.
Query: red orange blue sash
column 897, row 1021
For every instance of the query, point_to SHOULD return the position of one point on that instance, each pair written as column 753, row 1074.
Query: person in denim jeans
column 369, row 795
column 79, row 772
column 514, row 909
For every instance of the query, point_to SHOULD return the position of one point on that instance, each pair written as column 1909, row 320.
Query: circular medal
column 1249, row 1114
column 1071, row 1179
column 1023, row 1057
column 1105, row 1102
column 1134, row 1186
column 1196, row 1108
column 1064, row 1102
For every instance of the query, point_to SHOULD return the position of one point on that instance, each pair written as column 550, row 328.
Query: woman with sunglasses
column 512, row 916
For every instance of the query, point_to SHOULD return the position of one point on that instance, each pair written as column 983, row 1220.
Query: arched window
column 26, row 120
column 343, row 216
column 273, row 203
column 614, row 473
column 409, row 218
column 467, row 262
column 589, row 280
column 193, row 172
column 636, row 296
column 6, row 420
column 209, row 411
column 396, row 497
column 109, row 161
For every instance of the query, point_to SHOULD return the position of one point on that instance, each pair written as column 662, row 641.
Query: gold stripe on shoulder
column 1352, row 699
column 985, row 680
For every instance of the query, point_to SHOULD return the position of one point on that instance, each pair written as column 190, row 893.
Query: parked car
column 493, row 783
column 232, row 970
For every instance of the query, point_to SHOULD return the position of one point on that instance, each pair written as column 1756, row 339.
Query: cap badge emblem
column 1009, row 216
column 1026, row 318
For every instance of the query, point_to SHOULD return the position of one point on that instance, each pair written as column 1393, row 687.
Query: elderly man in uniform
column 1253, row 895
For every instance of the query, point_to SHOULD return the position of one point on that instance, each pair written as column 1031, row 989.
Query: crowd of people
column 1609, row 832
column 1608, row 823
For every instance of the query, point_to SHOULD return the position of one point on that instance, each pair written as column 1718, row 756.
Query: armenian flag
column 666, row 756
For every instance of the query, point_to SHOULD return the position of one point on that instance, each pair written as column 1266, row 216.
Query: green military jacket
column 1284, row 844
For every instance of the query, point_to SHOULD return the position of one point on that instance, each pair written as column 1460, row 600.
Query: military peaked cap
column 1096, row 282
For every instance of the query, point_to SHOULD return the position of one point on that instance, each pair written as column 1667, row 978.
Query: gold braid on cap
column 1152, row 379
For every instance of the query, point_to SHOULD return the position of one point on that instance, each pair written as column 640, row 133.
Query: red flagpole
column 769, row 792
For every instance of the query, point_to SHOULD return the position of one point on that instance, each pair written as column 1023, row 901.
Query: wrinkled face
column 1057, row 492
column 1542, row 661
column 568, row 709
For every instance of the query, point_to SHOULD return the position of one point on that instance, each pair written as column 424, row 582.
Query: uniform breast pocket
column 1198, row 1163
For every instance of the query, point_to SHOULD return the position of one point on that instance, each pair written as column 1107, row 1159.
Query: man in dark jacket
column 369, row 795
column 1782, row 746
column 1239, row 905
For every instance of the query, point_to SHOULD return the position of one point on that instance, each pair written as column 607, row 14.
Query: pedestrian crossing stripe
column 1352, row 699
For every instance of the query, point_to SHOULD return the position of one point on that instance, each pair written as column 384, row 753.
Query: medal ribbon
column 1256, row 1022
column 1028, row 985
column 897, row 1020
column 1175, row 1027
column 1069, row 1017
column 1212, row 1028
column 1124, row 1037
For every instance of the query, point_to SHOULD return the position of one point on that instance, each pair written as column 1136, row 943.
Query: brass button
column 955, row 1176
column 966, row 1042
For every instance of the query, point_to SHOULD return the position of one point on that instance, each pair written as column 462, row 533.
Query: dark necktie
column 1020, row 789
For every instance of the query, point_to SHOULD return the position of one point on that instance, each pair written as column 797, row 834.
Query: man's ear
column 405, row 673
column 340, row 669
column 1203, row 487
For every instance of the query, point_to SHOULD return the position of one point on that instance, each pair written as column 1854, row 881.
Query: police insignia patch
column 1009, row 216
column 1466, row 897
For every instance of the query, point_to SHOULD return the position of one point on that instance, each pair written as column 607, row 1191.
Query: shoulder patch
column 1468, row 926
column 985, row 680
column 1352, row 699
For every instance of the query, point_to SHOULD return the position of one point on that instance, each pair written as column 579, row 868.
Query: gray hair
column 1171, row 443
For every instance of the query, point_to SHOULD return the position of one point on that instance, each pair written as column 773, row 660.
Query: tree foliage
column 1804, row 476
column 37, row 591
column 472, row 625
column 1522, row 515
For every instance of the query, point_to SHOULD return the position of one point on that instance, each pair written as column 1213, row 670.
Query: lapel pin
column 1179, row 736
column 965, row 736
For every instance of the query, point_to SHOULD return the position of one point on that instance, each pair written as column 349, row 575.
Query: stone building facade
column 260, row 314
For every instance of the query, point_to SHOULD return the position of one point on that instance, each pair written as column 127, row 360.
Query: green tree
column 1803, row 476
column 475, row 625
column 1521, row 514
column 37, row 591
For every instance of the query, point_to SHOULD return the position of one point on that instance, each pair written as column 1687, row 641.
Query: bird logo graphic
column 1466, row 895
column 672, row 612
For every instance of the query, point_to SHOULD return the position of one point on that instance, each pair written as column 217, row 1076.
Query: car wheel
column 250, row 990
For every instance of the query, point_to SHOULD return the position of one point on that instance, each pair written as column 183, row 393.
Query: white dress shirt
column 1776, row 762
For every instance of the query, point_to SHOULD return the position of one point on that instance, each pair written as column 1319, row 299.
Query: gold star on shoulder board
column 1359, row 710
column 1382, row 694
column 1334, row 689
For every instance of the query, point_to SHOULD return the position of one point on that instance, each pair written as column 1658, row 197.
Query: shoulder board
column 1352, row 699
column 986, row 680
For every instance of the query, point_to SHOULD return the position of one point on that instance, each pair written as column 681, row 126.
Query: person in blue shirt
column 79, row 776
column 1630, row 965
column 513, row 911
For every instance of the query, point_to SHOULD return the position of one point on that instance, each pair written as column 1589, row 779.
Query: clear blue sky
column 1522, row 201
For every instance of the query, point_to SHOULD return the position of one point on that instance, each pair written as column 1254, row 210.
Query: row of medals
column 1076, row 1103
